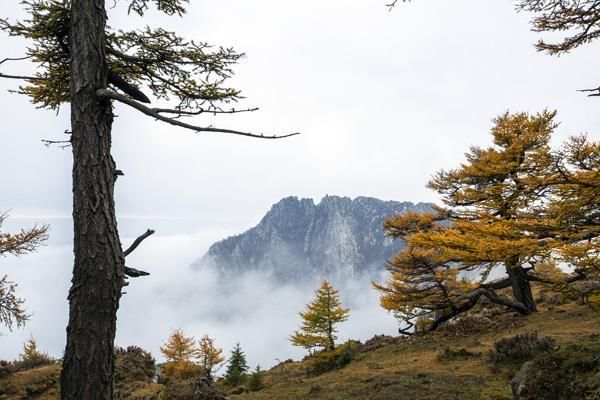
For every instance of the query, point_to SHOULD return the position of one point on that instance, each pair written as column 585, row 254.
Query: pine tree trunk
column 330, row 335
column 520, row 286
column 88, row 364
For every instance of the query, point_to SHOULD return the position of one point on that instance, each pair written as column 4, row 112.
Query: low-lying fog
column 248, row 308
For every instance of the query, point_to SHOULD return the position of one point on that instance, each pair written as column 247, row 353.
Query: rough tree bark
column 99, row 262
column 521, row 288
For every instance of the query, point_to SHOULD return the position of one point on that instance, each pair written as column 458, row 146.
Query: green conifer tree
column 255, row 380
column 237, row 368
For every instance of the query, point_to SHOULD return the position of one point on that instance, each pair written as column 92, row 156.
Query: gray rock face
column 337, row 238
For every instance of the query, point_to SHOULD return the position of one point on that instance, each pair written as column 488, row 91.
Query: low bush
column 520, row 348
column 570, row 372
column 449, row 354
column 5, row 368
column 378, row 341
column 179, row 390
column 134, row 370
column 134, row 364
column 328, row 360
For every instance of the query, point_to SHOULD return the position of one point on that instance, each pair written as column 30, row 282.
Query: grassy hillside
column 40, row 383
column 410, row 369
column 404, row 369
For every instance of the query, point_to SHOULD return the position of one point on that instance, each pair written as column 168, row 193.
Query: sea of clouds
column 248, row 308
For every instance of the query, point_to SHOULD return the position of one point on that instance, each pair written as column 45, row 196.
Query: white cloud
column 248, row 308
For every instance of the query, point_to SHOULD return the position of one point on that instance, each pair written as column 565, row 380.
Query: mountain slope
column 413, row 368
column 336, row 238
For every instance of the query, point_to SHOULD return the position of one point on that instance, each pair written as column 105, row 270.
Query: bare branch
column 593, row 92
column 14, row 59
column 391, row 5
column 134, row 273
column 111, row 95
column 63, row 143
column 27, row 78
column 137, row 242
column 202, row 111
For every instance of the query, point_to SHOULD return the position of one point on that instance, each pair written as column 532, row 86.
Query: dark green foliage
column 570, row 372
column 345, row 357
column 134, row 368
column 449, row 354
column 5, row 368
column 169, row 7
column 237, row 368
column 255, row 380
column 327, row 360
column 520, row 348
column 170, row 66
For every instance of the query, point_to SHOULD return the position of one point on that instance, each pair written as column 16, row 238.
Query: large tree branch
column 137, row 242
column 470, row 300
column 498, row 284
column 494, row 298
column 135, row 273
column 202, row 111
column 111, row 95
column 592, row 92
column 120, row 83
column 132, row 272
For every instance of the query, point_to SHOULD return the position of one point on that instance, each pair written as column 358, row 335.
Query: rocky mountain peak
column 337, row 238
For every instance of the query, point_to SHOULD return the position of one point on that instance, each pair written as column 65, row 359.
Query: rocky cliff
column 337, row 238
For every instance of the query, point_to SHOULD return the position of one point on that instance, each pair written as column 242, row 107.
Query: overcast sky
column 383, row 100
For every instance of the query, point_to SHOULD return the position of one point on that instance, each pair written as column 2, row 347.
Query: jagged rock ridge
column 337, row 238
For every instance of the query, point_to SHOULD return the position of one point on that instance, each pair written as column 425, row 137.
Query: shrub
column 179, row 390
column 134, row 369
column 327, row 360
column 134, row 364
column 520, row 348
column 378, row 341
column 345, row 357
column 5, row 369
column 570, row 372
column 449, row 354
column 192, row 389
column 468, row 325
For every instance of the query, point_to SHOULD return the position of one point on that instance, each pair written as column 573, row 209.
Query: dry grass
column 40, row 383
column 411, row 369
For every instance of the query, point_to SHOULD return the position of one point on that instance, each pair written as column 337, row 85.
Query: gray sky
column 383, row 100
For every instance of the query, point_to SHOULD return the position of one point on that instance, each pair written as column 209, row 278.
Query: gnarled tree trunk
column 521, row 288
column 98, row 270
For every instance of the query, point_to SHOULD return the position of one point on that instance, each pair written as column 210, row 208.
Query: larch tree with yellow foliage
column 26, row 241
column 574, row 212
column 180, row 353
column 319, row 320
column 508, row 206
column 209, row 356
